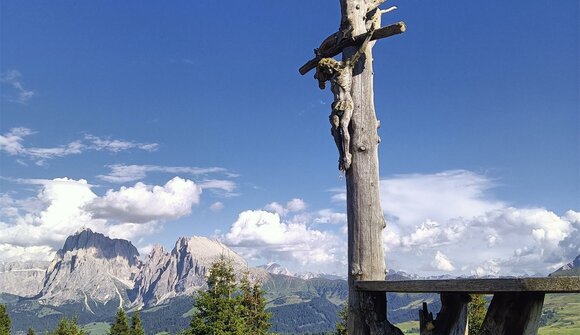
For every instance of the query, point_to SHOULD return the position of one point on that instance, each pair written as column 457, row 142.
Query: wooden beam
column 546, row 285
column 383, row 32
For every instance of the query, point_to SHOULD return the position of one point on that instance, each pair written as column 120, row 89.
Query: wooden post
column 366, row 259
column 451, row 319
column 354, row 128
column 515, row 313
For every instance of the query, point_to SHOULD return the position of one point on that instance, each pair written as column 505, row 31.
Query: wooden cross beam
column 390, row 30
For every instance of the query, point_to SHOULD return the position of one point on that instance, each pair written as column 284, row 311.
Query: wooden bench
column 515, row 309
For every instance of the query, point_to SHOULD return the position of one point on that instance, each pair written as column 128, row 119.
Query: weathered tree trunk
column 366, row 310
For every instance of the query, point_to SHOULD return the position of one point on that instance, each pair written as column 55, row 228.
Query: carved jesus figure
column 339, row 73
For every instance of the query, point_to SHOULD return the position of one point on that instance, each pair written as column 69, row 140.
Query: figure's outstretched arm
column 361, row 50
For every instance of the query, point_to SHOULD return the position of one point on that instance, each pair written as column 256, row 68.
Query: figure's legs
column 335, row 131
column 344, row 122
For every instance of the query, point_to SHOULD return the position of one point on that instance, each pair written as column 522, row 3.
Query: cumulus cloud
column 128, row 173
column 263, row 235
column 442, row 262
column 55, row 213
column 37, row 226
column 143, row 203
column 292, row 206
column 453, row 214
column 296, row 205
column 439, row 197
column 12, row 144
column 12, row 78
column 330, row 216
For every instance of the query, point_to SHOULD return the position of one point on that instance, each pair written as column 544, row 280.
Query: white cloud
column 216, row 206
column 294, row 205
column 329, row 216
column 262, row 235
column 128, row 173
column 35, row 227
column 113, row 145
column 224, row 188
column 12, row 79
column 276, row 208
column 128, row 231
column 454, row 213
column 414, row 198
column 12, row 144
column 442, row 262
column 48, row 219
column 143, row 203
column 11, row 253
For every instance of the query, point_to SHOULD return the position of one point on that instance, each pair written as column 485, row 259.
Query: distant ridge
column 570, row 269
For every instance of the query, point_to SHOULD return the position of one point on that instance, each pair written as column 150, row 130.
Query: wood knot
column 362, row 148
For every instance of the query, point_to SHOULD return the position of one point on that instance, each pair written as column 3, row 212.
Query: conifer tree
column 68, row 327
column 257, row 319
column 136, row 325
column 342, row 321
column 5, row 322
column 219, row 310
column 476, row 313
column 121, row 325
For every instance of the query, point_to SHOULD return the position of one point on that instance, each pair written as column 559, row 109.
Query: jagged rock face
column 91, row 268
column 22, row 278
column 183, row 271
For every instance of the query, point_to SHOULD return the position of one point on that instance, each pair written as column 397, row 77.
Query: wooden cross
column 354, row 128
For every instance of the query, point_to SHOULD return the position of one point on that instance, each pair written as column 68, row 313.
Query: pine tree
column 30, row 332
column 342, row 321
column 68, row 327
column 254, row 307
column 5, row 322
column 121, row 325
column 136, row 325
column 219, row 310
column 476, row 313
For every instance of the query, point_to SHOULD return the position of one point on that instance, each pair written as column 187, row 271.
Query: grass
column 96, row 328
column 409, row 327
column 566, row 319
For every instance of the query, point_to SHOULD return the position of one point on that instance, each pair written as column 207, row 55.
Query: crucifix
column 354, row 129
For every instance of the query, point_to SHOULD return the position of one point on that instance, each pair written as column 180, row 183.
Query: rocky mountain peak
column 91, row 267
column 275, row 268
column 183, row 271
column 103, row 246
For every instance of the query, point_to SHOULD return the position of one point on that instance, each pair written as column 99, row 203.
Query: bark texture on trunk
column 367, row 310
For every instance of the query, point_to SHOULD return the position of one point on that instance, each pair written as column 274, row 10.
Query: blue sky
column 150, row 121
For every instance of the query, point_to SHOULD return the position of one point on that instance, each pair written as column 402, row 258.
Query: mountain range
column 92, row 275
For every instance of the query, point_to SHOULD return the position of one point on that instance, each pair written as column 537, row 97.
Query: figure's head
column 324, row 70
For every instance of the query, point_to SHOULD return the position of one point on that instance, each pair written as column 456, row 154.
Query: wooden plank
column 390, row 30
column 546, row 285
column 513, row 314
